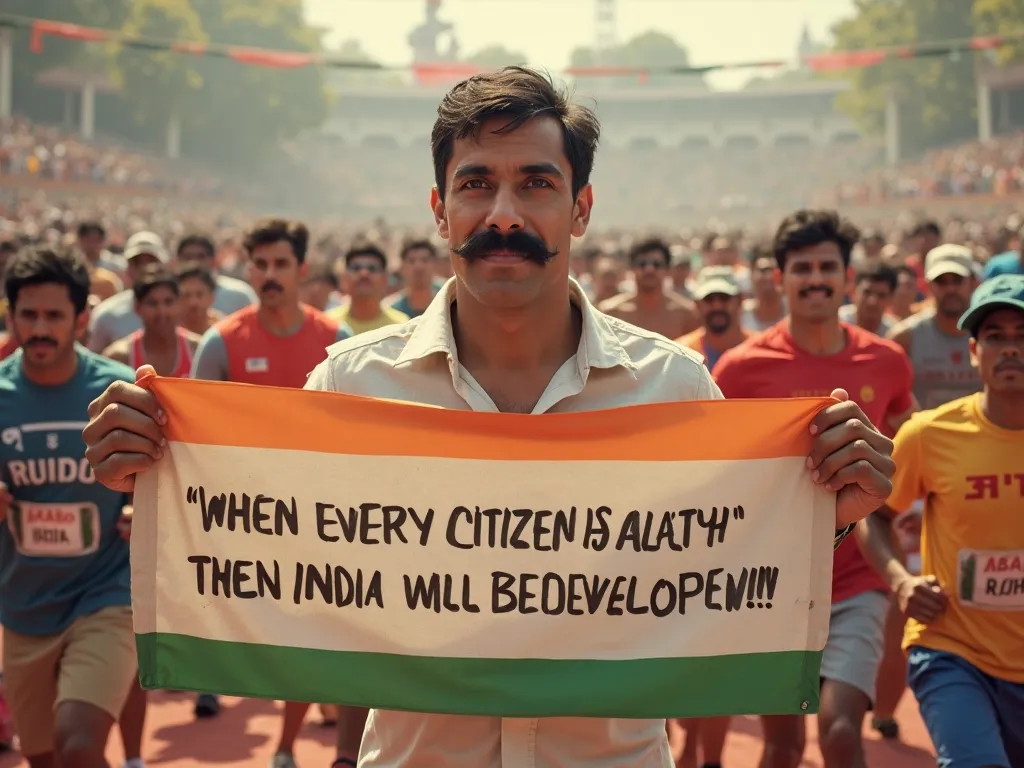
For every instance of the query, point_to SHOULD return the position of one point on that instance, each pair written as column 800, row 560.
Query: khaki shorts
column 92, row 661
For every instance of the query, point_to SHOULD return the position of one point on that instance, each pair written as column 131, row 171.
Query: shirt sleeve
column 322, row 378
column 908, row 484
column 903, row 376
column 100, row 336
column 210, row 361
column 707, row 389
column 728, row 377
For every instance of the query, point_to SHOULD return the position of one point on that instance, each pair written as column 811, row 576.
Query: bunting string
column 445, row 72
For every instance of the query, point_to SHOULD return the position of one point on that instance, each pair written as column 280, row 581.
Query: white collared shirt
column 617, row 364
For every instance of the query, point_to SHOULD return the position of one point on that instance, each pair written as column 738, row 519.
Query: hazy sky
column 714, row 31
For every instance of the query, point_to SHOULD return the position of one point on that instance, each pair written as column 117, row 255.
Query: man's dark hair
column 926, row 227
column 517, row 94
column 366, row 249
column 270, row 231
column 87, row 228
column 808, row 228
column 155, row 276
column 202, row 241
column 39, row 265
column 418, row 245
column 649, row 245
column 903, row 269
column 760, row 251
column 191, row 270
column 877, row 272
column 320, row 272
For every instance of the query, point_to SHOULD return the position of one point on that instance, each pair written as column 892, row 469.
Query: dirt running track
column 244, row 735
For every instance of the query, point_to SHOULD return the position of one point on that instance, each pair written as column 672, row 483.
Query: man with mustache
column 513, row 333
column 275, row 343
column 650, row 306
column 717, row 294
column 939, row 352
column 808, row 355
column 366, row 284
column 69, row 658
column 965, row 630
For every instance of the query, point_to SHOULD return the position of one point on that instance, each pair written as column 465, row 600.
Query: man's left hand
column 851, row 457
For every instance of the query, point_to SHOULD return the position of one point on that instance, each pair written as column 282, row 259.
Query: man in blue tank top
column 65, row 605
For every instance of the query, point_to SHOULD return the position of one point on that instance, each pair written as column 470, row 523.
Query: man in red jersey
column 275, row 343
column 809, row 354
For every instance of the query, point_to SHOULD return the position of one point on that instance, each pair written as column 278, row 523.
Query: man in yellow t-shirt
column 965, row 629
column 366, row 283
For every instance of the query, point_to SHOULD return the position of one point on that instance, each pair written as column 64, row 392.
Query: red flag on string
column 444, row 73
column 830, row 62
column 986, row 43
column 276, row 59
column 184, row 46
column 67, row 31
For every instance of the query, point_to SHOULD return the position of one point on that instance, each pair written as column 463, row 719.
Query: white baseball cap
column 146, row 243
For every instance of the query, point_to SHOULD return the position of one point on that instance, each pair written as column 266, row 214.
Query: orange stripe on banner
column 220, row 413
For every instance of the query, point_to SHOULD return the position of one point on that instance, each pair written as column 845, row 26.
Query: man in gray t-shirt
column 115, row 318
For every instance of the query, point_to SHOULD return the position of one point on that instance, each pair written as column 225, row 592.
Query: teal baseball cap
column 1000, row 292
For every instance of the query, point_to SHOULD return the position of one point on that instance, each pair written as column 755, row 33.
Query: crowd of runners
column 928, row 341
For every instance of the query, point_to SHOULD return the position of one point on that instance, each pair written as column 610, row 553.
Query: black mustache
column 270, row 286
column 718, row 314
column 479, row 244
column 40, row 342
column 824, row 288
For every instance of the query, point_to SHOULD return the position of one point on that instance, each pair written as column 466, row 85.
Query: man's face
column 952, row 293
column 275, row 274
column 45, row 324
column 509, row 214
column 872, row 299
column 649, row 270
column 998, row 351
column 418, row 268
column 195, row 253
column 814, row 282
column 159, row 310
column 680, row 273
column 137, row 264
column 762, row 276
column 315, row 292
column 718, row 311
column 91, row 244
column 607, row 277
column 366, row 277
column 906, row 290
column 196, row 300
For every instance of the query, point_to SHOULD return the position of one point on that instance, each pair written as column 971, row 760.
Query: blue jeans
column 974, row 719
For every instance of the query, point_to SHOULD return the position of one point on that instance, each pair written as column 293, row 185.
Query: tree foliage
column 936, row 94
column 496, row 57
column 232, row 114
column 655, row 49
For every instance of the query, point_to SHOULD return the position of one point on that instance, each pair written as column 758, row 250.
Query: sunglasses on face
column 373, row 269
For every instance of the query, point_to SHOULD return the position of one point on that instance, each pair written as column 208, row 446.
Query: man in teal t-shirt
column 65, row 603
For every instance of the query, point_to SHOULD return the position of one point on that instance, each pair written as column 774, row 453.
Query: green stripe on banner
column 785, row 682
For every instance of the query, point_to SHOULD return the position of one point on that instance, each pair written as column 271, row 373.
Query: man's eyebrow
column 540, row 169
column 471, row 170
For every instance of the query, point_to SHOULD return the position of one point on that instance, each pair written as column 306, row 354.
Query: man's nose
column 504, row 214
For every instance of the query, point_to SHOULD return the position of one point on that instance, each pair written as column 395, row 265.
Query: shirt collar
column 599, row 343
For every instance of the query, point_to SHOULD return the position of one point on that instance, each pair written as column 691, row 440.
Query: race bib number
column 55, row 530
column 991, row 579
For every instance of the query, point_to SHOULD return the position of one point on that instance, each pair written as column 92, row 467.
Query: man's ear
column 440, row 219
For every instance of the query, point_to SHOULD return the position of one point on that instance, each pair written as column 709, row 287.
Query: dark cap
column 1001, row 292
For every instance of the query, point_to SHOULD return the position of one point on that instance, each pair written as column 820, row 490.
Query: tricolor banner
column 669, row 560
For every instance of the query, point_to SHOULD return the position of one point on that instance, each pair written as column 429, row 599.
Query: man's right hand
column 921, row 598
column 124, row 434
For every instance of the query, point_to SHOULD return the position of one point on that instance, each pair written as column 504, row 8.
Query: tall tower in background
column 605, row 37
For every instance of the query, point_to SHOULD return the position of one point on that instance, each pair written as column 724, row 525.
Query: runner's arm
column 118, row 351
column 211, row 359
column 875, row 536
column 906, row 405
